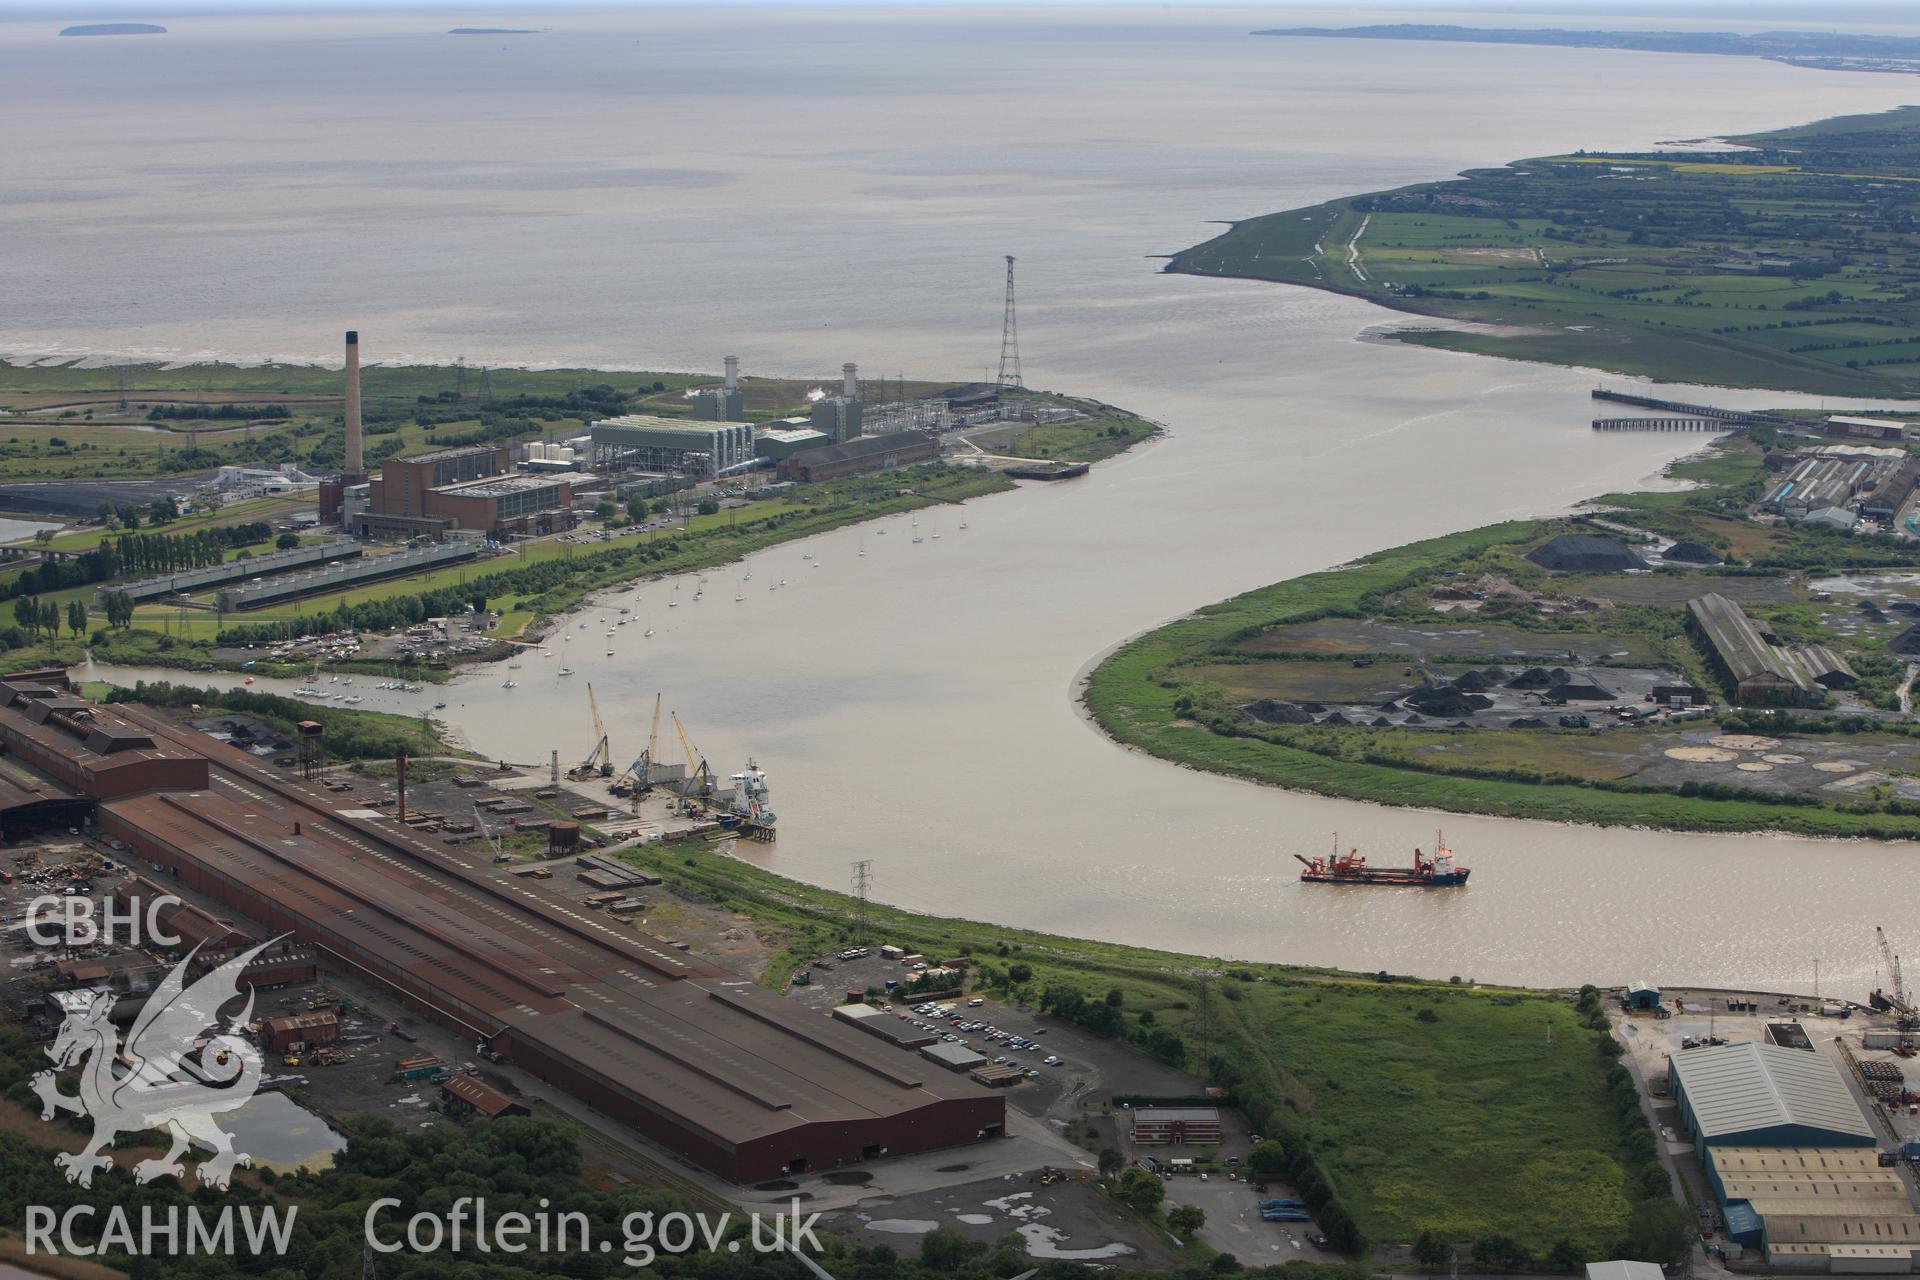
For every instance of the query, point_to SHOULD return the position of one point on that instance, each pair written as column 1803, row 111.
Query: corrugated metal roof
column 1740, row 1088
column 1788, row 1227
column 1760, row 1162
column 482, row 1097
column 1624, row 1271
column 957, row 1055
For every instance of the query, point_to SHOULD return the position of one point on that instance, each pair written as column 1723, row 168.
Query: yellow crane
column 699, row 776
column 641, row 770
column 653, row 745
column 600, row 759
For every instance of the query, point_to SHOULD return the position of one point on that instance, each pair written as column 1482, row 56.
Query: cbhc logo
column 54, row 921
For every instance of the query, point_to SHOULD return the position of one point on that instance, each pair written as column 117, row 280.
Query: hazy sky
column 1743, row 11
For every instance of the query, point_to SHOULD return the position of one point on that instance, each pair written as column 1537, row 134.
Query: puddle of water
column 902, row 1226
column 1042, row 1243
column 281, row 1135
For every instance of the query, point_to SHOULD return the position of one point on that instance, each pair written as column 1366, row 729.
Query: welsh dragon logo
column 158, row 1080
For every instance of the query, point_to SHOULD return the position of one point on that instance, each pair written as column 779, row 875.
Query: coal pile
column 1586, row 553
column 1907, row 643
column 1273, row 711
column 1336, row 718
column 1445, row 700
column 1531, row 678
column 1480, row 681
column 1692, row 553
column 1528, row 722
column 1578, row 691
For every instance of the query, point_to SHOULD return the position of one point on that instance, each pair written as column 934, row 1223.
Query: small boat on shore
column 1438, row 872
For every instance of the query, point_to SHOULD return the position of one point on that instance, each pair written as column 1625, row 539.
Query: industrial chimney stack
column 733, row 373
column 849, row 383
column 356, row 468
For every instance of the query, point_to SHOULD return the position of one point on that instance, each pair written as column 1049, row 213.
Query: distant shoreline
column 1819, row 50
column 115, row 29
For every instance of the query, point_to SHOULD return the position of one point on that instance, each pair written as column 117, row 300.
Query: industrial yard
column 1788, row 1119
column 1691, row 658
column 483, row 878
column 401, row 496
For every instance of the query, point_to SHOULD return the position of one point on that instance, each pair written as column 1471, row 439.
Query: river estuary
column 599, row 196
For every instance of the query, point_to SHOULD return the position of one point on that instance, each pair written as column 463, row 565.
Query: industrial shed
column 1761, row 1095
column 1761, row 672
column 465, row 1095
column 880, row 1023
column 1821, row 1209
column 1624, row 1271
column 954, row 1057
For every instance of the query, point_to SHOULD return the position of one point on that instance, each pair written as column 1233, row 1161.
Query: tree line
column 155, row 553
column 217, row 412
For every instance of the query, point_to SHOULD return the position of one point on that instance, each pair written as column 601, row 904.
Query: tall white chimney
column 356, row 468
column 733, row 373
column 849, row 382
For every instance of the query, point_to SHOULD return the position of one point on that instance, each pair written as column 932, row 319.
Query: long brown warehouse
column 696, row 1057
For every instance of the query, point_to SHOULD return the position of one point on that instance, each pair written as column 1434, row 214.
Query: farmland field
column 1793, row 265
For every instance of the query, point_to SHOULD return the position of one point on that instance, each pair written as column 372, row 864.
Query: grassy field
column 1792, row 269
column 1430, row 1106
column 1176, row 691
column 1103, row 433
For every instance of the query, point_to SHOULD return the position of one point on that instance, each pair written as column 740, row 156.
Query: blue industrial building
column 1762, row 1095
column 1792, row 1159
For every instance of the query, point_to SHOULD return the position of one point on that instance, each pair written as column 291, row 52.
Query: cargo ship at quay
column 1438, row 872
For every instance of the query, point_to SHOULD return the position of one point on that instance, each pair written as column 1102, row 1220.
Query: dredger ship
column 1439, row 871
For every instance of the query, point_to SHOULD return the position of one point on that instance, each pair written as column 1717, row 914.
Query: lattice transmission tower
column 862, row 889
column 1010, row 339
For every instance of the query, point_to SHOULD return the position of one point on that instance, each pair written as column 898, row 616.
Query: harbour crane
column 699, row 775
column 641, row 770
column 1895, row 997
column 600, row 759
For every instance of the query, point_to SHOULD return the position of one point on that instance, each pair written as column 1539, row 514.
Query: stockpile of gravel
column 1691, row 553
column 1273, row 711
column 1586, row 553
